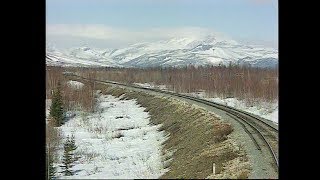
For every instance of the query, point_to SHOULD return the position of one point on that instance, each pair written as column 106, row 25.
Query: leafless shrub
column 71, row 97
column 53, row 138
column 244, row 175
column 126, row 128
column 87, row 156
column 222, row 129
column 97, row 129
column 117, row 134
column 242, row 82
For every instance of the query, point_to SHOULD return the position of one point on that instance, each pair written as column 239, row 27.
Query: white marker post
column 48, row 163
column 214, row 168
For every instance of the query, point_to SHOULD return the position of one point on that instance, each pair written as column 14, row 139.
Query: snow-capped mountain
column 83, row 56
column 209, row 50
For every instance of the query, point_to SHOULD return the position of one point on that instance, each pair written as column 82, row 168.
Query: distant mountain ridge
column 209, row 50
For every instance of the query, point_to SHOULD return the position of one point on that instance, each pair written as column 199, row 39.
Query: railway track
column 264, row 134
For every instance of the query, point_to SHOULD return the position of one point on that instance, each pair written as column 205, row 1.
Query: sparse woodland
column 72, row 98
column 242, row 82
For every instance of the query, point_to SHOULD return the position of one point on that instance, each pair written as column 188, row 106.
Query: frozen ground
column 115, row 142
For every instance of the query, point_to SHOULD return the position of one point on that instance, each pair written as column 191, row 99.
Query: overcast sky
column 118, row 23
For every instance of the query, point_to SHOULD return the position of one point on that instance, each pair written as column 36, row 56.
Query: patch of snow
column 48, row 104
column 75, row 84
column 263, row 109
column 162, row 87
column 152, row 85
column 146, row 85
column 117, row 141
column 199, row 94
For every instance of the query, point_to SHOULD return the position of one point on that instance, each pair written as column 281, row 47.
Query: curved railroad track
column 263, row 133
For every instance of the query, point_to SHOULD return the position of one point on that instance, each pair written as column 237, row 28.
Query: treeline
column 242, row 82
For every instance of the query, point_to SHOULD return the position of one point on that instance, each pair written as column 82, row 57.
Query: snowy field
column 263, row 109
column 115, row 142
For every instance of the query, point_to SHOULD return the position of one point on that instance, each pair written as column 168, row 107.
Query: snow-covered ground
column 115, row 142
column 266, row 110
column 75, row 84
column 151, row 85
column 48, row 104
column 146, row 85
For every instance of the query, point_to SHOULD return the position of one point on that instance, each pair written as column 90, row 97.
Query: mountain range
column 177, row 52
